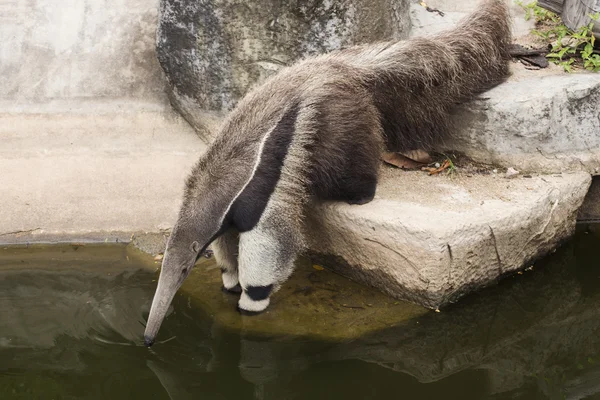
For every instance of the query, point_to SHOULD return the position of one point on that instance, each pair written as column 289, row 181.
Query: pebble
column 511, row 173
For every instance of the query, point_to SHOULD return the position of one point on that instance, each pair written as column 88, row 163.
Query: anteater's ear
column 196, row 247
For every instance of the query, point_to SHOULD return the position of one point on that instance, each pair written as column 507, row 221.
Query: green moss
column 313, row 302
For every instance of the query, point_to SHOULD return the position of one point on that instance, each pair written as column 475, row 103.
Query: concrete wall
column 53, row 49
column 89, row 143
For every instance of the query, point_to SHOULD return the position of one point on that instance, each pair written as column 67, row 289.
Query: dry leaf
column 420, row 156
column 400, row 160
column 318, row 267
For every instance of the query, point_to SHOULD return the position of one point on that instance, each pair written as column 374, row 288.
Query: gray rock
column 431, row 240
column 213, row 52
column 545, row 123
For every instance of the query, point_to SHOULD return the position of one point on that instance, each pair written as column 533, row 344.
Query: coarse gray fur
column 316, row 129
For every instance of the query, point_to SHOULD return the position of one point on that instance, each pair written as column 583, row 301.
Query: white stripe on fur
column 256, row 164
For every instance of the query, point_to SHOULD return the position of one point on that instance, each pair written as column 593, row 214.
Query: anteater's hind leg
column 345, row 163
column 354, row 183
column 225, row 248
column 267, row 255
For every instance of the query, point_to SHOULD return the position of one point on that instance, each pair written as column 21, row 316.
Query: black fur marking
column 258, row 293
column 237, row 289
column 358, row 189
column 361, row 201
column 247, row 209
column 355, row 182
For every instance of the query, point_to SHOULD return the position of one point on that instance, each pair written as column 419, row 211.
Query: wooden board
column 576, row 13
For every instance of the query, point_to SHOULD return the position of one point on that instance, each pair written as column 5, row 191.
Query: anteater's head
column 201, row 220
column 184, row 248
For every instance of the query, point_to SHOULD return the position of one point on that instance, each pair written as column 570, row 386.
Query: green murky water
column 71, row 321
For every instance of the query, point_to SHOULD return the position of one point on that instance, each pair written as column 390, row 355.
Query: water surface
column 72, row 318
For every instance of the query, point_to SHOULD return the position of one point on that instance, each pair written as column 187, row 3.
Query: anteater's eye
column 184, row 271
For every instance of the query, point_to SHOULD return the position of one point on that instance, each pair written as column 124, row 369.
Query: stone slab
column 534, row 122
column 433, row 239
column 543, row 121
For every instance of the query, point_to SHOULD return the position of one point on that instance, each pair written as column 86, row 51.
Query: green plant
column 567, row 45
column 540, row 14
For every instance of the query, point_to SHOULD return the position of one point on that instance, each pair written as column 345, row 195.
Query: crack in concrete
column 19, row 232
column 450, row 261
column 412, row 265
column 543, row 228
column 450, row 287
column 545, row 156
column 496, row 248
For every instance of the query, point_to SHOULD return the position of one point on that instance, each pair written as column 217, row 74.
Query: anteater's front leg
column 225, row 248
column 267, row 255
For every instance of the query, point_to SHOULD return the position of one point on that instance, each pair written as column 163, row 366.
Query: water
column 71, row 321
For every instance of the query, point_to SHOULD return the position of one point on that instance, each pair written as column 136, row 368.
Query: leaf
column 400, row 160
column 420, row 156
column 562, row 52
column 318, row 267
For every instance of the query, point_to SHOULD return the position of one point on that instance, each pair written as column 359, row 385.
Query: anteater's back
column 415, row 83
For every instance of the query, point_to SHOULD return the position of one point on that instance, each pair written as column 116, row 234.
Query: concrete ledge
column 431, row 240
column 92, row 170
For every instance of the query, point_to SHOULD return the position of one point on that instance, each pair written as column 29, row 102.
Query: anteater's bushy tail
column 416, row 83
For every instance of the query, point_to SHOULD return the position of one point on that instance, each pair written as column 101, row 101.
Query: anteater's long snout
column 168, row 283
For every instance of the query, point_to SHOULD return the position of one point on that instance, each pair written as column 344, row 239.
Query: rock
column 214, row 51
column 537, row 121
column 543, row 123
column 427, row 23
column 431, row 240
